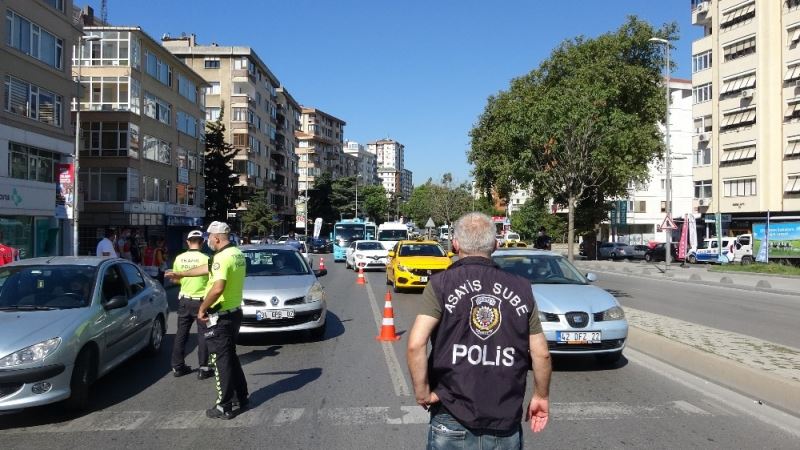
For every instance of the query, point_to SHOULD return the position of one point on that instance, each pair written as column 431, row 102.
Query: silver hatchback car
column 66, row 321
column 577, row 318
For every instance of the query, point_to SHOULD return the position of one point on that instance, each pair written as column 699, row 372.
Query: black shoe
column 181, row 371
column 242, row 404
column 203, row 374
column 217, row 413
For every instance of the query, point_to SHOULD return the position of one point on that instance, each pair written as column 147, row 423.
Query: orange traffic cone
column 361, row 279
column 387, row 326
column 321, row 263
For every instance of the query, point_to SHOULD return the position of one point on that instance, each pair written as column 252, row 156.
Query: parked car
column 658, row 253
column 66, row 321
column 639, row 251
column 281, row 292
column 614, row 250
column 577, row 317
column 367, row 255
column 320, row 245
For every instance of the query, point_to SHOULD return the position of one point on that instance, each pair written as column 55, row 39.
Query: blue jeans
column 446, row 433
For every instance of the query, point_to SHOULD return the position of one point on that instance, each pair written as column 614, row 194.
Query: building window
column 57, row 4
column 211, row 63
column 213, row 88
column 739, row 49
column 702, row 93
column 113, row 49
column 239, row 114
column 157, row 109
column 34, row 41
column 157, row 68
column 187, row 124
column 739, row 118
column 738, row 16
column 156, row 150
column 109, row 94
column 792, row 184
column 105, row 185
column 702, row 157
column 703, row 124
column 735, row 85
column 31, row 163
column 792, row 147
column 187, row 88
column 793, row 36
column 702, row 189
column 28, row 100
column 212, row 114
column 110, row 139
column 156, row 190
column 239, row 140
column 701, row 61
column 744, row 187
column 792, row 110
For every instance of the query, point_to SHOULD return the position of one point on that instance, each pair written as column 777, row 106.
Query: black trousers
column 187, row 315
column 230, row 381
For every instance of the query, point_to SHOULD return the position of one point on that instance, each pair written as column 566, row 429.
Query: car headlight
column 403, row 268
column 543, row 317
column 614, row 313
column 315, row 293
column 359, row 255
column 32, row 354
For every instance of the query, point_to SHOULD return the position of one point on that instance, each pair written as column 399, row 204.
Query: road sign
column 623, row 212
column 429, row 223
column 668, row 224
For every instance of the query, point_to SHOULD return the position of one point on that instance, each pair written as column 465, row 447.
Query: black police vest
column 480, row 354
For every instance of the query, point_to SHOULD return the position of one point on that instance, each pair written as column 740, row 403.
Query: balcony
column 701, row 13
column 242, row 100
column 242, row 76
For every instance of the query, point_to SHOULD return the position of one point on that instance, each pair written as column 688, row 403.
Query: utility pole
column 668, row 174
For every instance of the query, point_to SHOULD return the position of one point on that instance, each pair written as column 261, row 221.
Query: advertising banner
column 65, row 198
column 777, row 239
column 300, row 222
column 692, row 231
column 317, row 227
column 684, row 239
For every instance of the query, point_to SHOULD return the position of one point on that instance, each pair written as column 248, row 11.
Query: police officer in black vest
column 484, row 329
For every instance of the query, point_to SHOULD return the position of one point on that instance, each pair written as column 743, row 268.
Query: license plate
column 579, row 337
column 275, row 314
column 423, row 279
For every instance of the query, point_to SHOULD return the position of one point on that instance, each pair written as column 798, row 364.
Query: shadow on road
column 586, row 363
column 296, row 381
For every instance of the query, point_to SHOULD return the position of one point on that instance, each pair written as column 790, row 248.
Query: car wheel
column 747, row 260
column 318, row 333
column 609, row 358
column 613, row 256
column 156, row 337
column 83, row 375
column 648, row 257
column 396, row 289
column 692, row 259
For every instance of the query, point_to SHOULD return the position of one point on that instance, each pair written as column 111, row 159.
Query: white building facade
column 367, row 162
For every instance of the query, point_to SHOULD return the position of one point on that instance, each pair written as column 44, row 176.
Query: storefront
column 180, row 220
column 27, row 217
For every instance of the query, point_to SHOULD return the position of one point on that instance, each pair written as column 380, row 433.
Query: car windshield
column 46, row 287
column 421, row 250
column 392, row 235
column 369, row 246
column 274, row 262
column 347, row 233
column 541, row 269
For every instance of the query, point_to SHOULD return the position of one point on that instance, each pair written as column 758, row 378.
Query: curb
column 759, row 385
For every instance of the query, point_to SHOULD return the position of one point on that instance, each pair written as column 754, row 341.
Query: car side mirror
column 116, row 302
column 450, row 254
column 320, row 272
column 391, row 254
column 591, row 277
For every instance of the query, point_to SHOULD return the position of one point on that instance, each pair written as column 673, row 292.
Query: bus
column 389, row 233
column 347, row 231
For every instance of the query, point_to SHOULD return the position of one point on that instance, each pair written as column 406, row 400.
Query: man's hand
column 538, row 413
column 427, row 400
column 202, row 316
column 172, row 276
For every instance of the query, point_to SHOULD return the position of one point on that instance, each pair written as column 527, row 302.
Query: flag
column 692, row 232
column 763, row 251
column 65, row 195
column 684, row 238
column 317, row 227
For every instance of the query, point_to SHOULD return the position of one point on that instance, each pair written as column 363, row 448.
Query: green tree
column 372, row 202
column 219, row 176
column 343, row 197
column 534, row 214
column 585, row 121
column 258, row 218
column 319, row 204
column 419, row 207
column 450, row 202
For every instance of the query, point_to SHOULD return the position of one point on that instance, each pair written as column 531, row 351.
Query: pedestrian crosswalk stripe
column 353, row 416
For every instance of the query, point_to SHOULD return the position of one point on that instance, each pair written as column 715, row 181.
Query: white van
column 389, row 233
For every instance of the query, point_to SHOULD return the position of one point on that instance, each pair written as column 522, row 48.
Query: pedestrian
column 221, row 312
column 543, row 241
column 136, row 249
column 483, row 326
column 106, row 245
column 189, row 298
column 149, row 259
column 160, row 259
column 8, row 254
column 124, row 244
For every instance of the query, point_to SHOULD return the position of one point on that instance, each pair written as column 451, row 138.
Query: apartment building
column 390, row 156
column 259, row 115
column 142, row 127
column 35, row 131
column 320, row 147
column 406, row 183
column 367, row 162
column 746, row 78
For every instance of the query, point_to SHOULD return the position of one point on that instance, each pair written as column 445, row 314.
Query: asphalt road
column 349, row 391
column 772, row 317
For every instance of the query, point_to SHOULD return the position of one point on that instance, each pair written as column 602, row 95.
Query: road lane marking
column 396, row 372
column 347, row 416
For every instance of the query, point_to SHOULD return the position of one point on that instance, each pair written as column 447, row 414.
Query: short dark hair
column 109, row 232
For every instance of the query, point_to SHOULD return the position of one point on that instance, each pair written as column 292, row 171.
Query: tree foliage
column 584, row 122
column 343, row 197
column 319, row 204
column 372, row 202
column 258, row 218
column 534, row 214
column 444, row 201
column 219, row 176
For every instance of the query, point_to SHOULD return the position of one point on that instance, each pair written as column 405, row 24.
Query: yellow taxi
column 411, row 263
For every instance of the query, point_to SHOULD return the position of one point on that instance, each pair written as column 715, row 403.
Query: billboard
column 783, row 242
column 65, row 197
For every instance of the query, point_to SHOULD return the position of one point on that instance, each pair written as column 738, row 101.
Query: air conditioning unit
column 703, row 137
column 702, row 7
column 747, row 93
column 701, row 202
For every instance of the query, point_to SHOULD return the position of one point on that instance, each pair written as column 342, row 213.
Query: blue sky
column 416, row 71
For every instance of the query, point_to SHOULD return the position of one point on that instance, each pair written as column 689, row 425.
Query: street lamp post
column 668, row 157
column 76, row 156
column 357, row 177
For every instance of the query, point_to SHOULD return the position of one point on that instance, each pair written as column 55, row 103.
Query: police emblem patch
column 485, row 316
column 216, row 266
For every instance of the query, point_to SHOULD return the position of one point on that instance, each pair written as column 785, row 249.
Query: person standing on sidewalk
column 191, row 295
column 484, row 329
column 221, row 311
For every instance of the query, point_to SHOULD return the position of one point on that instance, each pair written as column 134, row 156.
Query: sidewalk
column 696, row 273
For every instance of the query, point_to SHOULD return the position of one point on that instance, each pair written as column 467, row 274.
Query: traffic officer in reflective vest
column 192, row 293
column 221, row 311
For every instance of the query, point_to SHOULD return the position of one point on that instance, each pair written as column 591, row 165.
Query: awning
column 740, row 117
column 741, row 153
column 792, row 109
column 739, row 83
column 739, row 47
column 792, row 148
column 795, row 35
column 731, row 16
column 792, row 184
column 792, row 73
